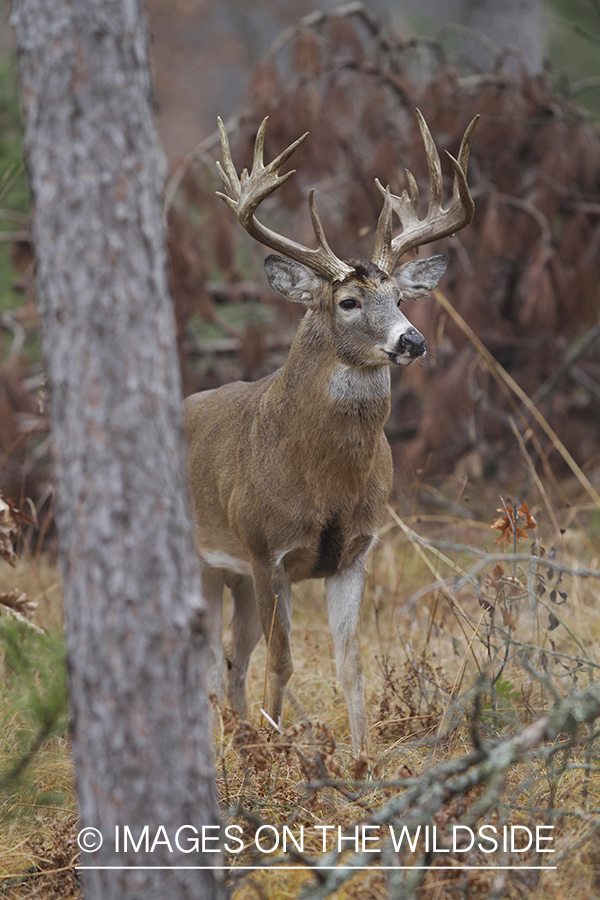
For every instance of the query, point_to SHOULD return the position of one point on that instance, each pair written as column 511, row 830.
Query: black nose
column 412, row 343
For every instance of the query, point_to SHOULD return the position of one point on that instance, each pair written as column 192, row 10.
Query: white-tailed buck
column 290, row 474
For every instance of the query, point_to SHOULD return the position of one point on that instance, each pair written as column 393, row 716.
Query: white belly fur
column 219, row 560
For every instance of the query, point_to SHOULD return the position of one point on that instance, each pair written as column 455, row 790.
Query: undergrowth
column 507, row 629
column 473, row 627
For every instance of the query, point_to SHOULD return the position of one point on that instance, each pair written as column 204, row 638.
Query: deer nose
column 412, row 343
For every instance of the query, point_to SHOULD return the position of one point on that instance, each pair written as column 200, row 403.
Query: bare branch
column 427, row 793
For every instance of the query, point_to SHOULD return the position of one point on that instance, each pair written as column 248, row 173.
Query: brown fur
column 287, row 454
column 290, row 474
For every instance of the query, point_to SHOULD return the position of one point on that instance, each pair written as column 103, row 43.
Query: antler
column 244, row 194
column 438, row 222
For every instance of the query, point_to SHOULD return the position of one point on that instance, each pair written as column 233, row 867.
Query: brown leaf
column 497, row 574
column 8, row 528
column 508, row 619
column 507, row 524
column 523, row 511
column 360, row 768
column 265, row 83
column 19, row 607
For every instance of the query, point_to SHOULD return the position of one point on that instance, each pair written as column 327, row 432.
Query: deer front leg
column 273, row 598
column 344, row 594
column 212, row 581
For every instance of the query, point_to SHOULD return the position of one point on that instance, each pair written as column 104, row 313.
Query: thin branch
column 429, row 792
column 584, row 84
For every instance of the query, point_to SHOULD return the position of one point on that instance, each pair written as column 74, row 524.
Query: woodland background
column 524, row 276
column 465, row 641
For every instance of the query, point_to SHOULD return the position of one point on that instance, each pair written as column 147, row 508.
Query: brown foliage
column 413, row 699
column 18, row 417
column 56, row 854
column 524, row 275
column 312, row 746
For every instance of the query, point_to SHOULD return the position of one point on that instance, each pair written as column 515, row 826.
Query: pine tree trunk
column 134, row 621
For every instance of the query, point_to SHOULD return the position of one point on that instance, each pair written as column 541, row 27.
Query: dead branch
column 426, row 794
column 237, row 292
column 584, row 84
column 319, row 16
column 231, row 345
column 535, row 213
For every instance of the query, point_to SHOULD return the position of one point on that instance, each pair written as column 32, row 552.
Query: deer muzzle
column 412, row 343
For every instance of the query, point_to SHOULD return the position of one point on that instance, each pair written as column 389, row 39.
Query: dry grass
column 38, row 819
column 421, row 666
column 424, row 652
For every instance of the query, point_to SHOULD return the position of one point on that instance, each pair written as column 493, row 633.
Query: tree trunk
column 509, row 34
column 134, row 616
column 515, row 28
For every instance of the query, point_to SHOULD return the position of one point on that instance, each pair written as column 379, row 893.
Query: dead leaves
column 14, row 602
column 8, row 530
column 508, row 525
column 313, row 747
column 512, row 526
column 19, row 607
column 10, row 516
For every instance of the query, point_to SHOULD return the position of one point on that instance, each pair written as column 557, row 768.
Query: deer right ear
column 292, row 280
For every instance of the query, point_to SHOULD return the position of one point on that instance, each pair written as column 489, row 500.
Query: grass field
column 458, row 646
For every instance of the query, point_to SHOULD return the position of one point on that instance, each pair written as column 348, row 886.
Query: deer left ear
column 419, row 276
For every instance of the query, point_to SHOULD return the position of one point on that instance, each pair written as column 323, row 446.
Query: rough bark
column 133, row 611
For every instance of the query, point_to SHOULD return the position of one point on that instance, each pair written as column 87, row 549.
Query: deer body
column 297, row 459
column 290, row 474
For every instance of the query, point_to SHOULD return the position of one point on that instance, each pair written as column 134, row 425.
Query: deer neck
column 359, row 391
column 338, row 410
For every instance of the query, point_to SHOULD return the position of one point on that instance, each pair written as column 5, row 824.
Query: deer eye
column 350, row 303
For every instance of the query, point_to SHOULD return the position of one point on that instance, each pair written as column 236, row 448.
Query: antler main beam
column 438, row 222
column 244, row 194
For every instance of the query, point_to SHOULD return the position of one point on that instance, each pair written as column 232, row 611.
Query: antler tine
column 317, row 227
column 433, row 162
column 227, row 171
column 244, row 194
column 259, row 146
column 465, row 144
column 406, row 207
column 383, row 235
column 438, row 222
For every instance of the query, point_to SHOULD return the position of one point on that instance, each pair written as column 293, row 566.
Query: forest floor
column 461, row 643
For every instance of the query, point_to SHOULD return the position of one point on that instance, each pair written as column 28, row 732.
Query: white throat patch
column 348, row 383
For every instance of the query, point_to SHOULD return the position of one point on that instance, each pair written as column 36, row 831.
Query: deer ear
column 292, row 280
column 419, row 276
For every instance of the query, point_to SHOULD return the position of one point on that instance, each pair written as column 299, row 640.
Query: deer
column 290, row 474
